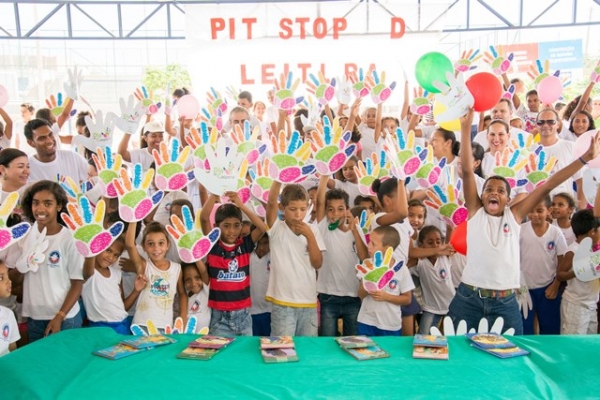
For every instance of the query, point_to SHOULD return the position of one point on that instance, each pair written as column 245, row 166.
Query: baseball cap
column 154, row 126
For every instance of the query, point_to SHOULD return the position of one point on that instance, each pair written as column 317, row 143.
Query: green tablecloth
column 62, row 366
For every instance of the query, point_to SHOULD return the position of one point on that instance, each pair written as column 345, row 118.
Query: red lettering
column 302, row 22
column 267, row 75
column 231, row 28
column 245, row 79
column 320, row 28
column 286, row 30
column 248, row 22
column 304, row 68
column 350, row 69
column 398, row 28
column 216, row 25
column 339, row 25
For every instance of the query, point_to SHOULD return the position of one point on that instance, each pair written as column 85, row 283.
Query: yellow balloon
column 439, row 108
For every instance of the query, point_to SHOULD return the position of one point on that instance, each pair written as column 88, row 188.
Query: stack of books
column 430, row 347
column 205, row 347
column 361, row 347
column 133, row 346
column 496, row 345
column 278, row 349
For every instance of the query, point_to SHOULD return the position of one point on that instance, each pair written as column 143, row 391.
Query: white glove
column 73, row 84
column 131, row 114
column 101, row 132
column 34, row 249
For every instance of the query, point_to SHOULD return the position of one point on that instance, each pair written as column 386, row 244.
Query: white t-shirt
column 563, row 151
column 293, row 280
column 350, row 188
column 9, row 330
column 481, row 137
column 260, row 271
column 426, row 130
column 584, row 293
column 102, row 296
column 198, row 307
column 337, row 276
column 567, row 232
column 459, row 262
column 529, row 117
column 163, row 209
column 141, row 156
column 45, row 290
column 487, row 167
column 436, row 283
column 404, row 230
column 382, row 314
column 539, row 255
column 66, row 163
column 566, row 134
column 369, row 146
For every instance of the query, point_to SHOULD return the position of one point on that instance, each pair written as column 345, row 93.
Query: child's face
column 368, row 205
column 538, row 215
column 191, row 280
column 432, row 240
column 91, row 171
column 494, row 197
column 45, row 208
column 376, row 244
column 348, row 171
column 370, row 115
column 5, row 284
column 110, row 256
column 595, row 235
column 262, row 247
column 581, row 124
column 560, row 208
column 336, row 210
column 533, row 103
column 416, row 217
column 156, row 245
column 390, row 125
column 231, row 228
column 295, row 210
column 517, row 123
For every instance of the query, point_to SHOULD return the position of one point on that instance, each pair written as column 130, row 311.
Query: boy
column 10, row 330
column 260, row 270
column 295, row 256
column 228, row 265
column 579, row 301
column 380, row 313
column 367, row 202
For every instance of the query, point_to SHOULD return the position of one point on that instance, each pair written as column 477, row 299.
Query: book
column 276, row 342
column 279, row 355
column 211, row 342
column 430, row 353
column 354, row 342
column 117, row 352
column 506, row 352
column 197, row 353
column 489, row 341
column 146, row 342
column 430, row 340
column 367, row 353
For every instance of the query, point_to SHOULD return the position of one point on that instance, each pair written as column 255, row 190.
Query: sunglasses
column 550, row 122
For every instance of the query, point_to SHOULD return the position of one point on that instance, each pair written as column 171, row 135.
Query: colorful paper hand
column 142, row 95
column 131, row 114
column 343, row 94
column 376, row 273
column 380, row 91
column 87, row 227
column 34, row 250
column 538, row 71
column 11, row 235
column 216, row 101
column 212, row 117
column 404, row 156
column 510, row 92
column 190, row 327
column 321, row 88
column 429, row 172
column 375, row 167
column 288, row 164
column 509, row 165
column 467, row 61
column 595, row 75
column 284, row 92
column 202, row 142
column 247, row 142
column 497, row 60
column 362, row 83
column 134, row 202
column 108, row 170
column 364, row 224
column 448, row 203
column 73, row 85
column 538, row 170
column 170, row 173
column 73, row 190
column 331, row 147
column 221, row 169
column 261, row 181
column 242, row 188
column 57, row 104
column 101, row 131
column 192, row 244
column 233, row 92
column 455, row 96
column 421, row 104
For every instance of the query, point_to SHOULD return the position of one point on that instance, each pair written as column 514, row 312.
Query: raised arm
column 123, row 147
column 473, row 202
column 377, row 133
column 321, row 192
column 406, row 104
column 65, row 114
column 585, row 97
column 260, row 225
column 205, row 213
column 8, row 123
column 273, row 204
column 134, row 255
column 353, row 117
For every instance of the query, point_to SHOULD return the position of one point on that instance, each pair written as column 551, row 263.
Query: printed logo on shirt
column 393, row 284
column 196, row 306
column 159, row 286
column 268, row 265
column 506, row 229
column 443, row 273
column 232, row 275
column 5, row 332
column 551, row 246
column 54, row 259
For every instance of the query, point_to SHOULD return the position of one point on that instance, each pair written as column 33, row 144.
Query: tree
column 157, row 79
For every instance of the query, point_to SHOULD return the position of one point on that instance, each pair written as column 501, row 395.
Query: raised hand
column 261, row 181
column 10, row 235
column 57, row 103
column 321, row 88
column 101, row 131
column 87, row 227
column 538, row 71
column 233, row 92
column 364, row 223
column 216, row 101
column 366, row 172
column 212, row 117
column 220, row 171
column 314, row 114
column 73, row 190
column 192, row 244
column 497, row 60
column 131, row 114
column 108, row 170
column 288, row 163
column 376, row 273
column 134, row 202
column 34, row 250
column 142, row 95
column 510, row 92
column 429, row 172
column 331, row 147
column 509, row 165
column 247, row 142
column 467, row 61
column 421, row 104
column 343, row 93
column 284, row 92
column 448, row 203
column 362, row 83
column 538, row 170
column 380, row 91
column 404, row 156
column 73, row 85
column 455, row 96
column 202, row 142
column 170, row 173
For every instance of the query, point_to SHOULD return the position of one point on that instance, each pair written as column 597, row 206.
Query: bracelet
column 582, row 161
column 62, row 314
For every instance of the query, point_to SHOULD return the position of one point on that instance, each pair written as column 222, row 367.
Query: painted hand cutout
column 170, row 173
column 331, row 147
column 134, row 202
column 192, row 244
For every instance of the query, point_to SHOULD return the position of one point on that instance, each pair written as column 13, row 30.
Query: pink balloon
column 549, row 89
column 582, row 144
column 188, row 106
column 3, row 96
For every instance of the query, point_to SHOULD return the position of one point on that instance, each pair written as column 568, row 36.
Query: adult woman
column 444, row 144
column 14, row 173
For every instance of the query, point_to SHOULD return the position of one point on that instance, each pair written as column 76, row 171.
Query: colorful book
column 279, row 355
column 430, row 340
column 509, row 352
column 355, row 342
column 197, row 353
column 117, row 352
column 489, row 341
column 211, row 342
column 147, row 342
column 430, row 347
column 276, row 342
column 368, row 353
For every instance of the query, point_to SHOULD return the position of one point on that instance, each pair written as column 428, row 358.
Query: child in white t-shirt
column 197, row 293
column 380, row 313
column 346, row 180
column 8, row 323
column 260, row 270
column 563, row 206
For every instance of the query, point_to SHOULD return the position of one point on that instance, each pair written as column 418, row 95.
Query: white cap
column 154, row 126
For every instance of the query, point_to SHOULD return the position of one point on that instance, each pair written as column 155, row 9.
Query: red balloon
column 459, row 238
column 486, row 90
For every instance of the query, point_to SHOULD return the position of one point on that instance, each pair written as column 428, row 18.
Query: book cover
column 430, row 340
column 276, row 342
column 211, row 342
column 145, row 342
column 509, row 352
column 279, row 355
column 368, row 353
column 431, row 353
column 197, row 353
column 489, row 341
column 354, row 342
column 117, row 352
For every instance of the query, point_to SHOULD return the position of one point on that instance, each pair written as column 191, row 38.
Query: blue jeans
column 123, row 327
column 294, row 321
column 548, row 313
column 370, row 330
column 467, row 305
column 261, row 324
column 334, row 307
column 427, row 321
column 36, row 327
column 231, row 323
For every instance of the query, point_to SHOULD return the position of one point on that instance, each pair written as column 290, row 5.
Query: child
column 380, row 313
column 295, row 256
column 366, row 202
column 346, row 180
column 417, row 213
column 491, row 274
column 336, row 282
column 155, row 302
column 8, row 322
column 542, row 249
column 228, row 265
column 260, row 270
column 197, row 292
column 436, row 281
column 563, row 206
column 51, row 293
column 102, row 292
column 578, row 310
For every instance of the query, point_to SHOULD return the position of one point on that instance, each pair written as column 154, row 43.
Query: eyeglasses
column 550, row 122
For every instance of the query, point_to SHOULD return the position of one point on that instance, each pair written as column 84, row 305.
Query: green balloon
column 432, row 67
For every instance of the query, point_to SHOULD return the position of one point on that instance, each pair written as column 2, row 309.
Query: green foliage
column 157, row 79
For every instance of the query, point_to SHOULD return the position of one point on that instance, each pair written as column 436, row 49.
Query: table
column 62, row 366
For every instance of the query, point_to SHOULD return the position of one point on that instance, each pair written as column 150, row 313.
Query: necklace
column 500, row 225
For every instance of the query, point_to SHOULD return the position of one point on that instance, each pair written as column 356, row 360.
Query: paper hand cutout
column 72, row 86
column 57, row 104
column 510, row 92
column 448, row 203
column 461, row 329
column 212, row 117
column 192, row 244
column 538, row 71
column 190, row 327
column 429, row 172
column 455, row 96
column 170, row 174
column 590, row 182
column 258, row 207
column 538, row 170
column 233, row 92
column 288, row 163
column 421, row 104
column 34, row 249
column 524, row 297
column 220, row 171
column 362, row 84
column 380, row 91
column 586, row 262
column 320, row 88
column 216, row 101
column 509, row 165
column 284, row 92
column 314, row 115
column 247, row 142
column 142, row 95
column 467, row 61
column 497, row 60
column 202, row 142
column 87, row 227
column 11, row 235
column 108, row 170
column 261, row 181
column 403, row 154
column 131, row 114
column 595, row 75
column 101, row 131
column 375, row 167
column 74, row 191
column 134, row 202
column 376, row 273
column 364, row 224
column 343, row 93
column 331, row 147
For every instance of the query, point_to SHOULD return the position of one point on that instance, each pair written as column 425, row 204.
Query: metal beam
column 496, row 13
column 45, row 19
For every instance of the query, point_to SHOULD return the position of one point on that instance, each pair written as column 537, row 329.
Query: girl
column 366, row 127
column 436, row 282
column 156, row 300
column 346, row 179
column 491, row 273
column 563, row 206
column 14, row 171
column 197, row 293
column 578, row 125
column 102, row 292
column 444, row 144
column 417, row 213
column 50, row 294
